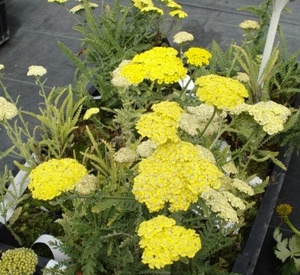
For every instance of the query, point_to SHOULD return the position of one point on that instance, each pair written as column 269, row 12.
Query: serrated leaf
column 281, row 251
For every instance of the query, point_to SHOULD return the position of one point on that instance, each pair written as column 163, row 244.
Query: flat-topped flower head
column 159, row 64
column 164, row 242
column 182, row 37
column 174, row 9
column 36, row 71
column 270, row 115
column 197, row 56
column 249, row 25
column 53, row 177
column 219, row 204
column 175, row 173
column 7, row 109
column 87, row 185
column 222, row 92
column 1, row 66
column 161, row 125
column 195, row 120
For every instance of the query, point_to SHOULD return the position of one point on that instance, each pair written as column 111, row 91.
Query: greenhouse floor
column 35, row 27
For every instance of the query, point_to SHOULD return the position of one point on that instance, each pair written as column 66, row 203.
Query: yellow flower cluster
column 19, row 261
column 80, row 7
column 89, row 112
column 270, row 115
column 7, row 110
column 242, row 77
column 159, row 64
column 223, row 92
column 249, row 25
column 164, row 242
column 182, row 37
column 197, row 56
column 161, row 125
column 175, row 174
column 49, row 179
column 197, row 117
column 218, row 203
column 148, row 6
column 242, row 187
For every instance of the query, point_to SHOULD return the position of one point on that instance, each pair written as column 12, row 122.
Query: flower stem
column 291, row 226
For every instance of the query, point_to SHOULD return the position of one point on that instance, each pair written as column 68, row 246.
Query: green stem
column 291, row 226
column 210, row 120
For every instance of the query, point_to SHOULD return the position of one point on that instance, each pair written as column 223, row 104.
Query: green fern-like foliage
column 58, row 119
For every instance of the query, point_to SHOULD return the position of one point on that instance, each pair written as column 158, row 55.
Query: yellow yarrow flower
column 90, row 112
column 159, row 64
column 222, row 92
column 161, row 125
column 249, row 25
column 197, row 56
column 270, row 115
column 80, row 7
column 178, row 13
column 218, row 203
column 174, row 173
column 36, row 71
column 49, row 179
column 182, row 37
column 164, row 242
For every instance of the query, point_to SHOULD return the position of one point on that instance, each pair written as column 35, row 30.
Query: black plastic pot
column 4, row 31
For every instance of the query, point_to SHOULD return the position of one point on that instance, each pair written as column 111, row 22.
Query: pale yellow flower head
column 36, row 71
column 7, row 109
column 146, row 148
column 80, row 7
column 182, row 37
column 249, row 25
column 219, row 204
column 90, row 112
column 125, row 155
column 196, row 118
column 49, row 179
column 242, row 77
column 117, row 79
column 1, row 66
column 242, row 186
column 222, row 92
column 87, row 185
column 270, row 115
column 164, row 242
